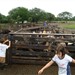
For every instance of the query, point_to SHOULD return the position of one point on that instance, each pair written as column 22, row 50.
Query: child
column 3, row 48
column 62, row 59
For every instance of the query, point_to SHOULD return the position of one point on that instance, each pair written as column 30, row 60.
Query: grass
column 69, row 26
column 4, row 26
column 66, row 26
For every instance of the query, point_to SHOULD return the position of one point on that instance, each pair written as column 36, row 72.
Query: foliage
column 3, row 19
column 19, row 14
column 39, row 15
column 35, row 14
column 65, row 16
column 50, row 17
column 73, row 18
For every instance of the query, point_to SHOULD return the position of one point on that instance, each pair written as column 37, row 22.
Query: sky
column 53, row 6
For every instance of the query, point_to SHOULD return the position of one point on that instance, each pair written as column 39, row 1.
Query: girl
column 3, row 48
column 62, row 59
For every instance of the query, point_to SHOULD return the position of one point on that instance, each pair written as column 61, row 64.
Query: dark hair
column 62, row 49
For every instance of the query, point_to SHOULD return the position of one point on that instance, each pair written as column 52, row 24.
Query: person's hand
column 40, row 72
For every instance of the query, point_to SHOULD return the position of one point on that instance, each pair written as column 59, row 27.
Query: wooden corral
column 37, row 47
column 37, row 44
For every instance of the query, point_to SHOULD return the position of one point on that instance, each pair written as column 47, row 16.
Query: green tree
column 50, row 17
column 73, row 18
column 3, row 18
column 65, row 16
column 0, row 17
column 35, row 14
column 18, row 15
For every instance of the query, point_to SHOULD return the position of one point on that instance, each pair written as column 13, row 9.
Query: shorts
column 2, row 59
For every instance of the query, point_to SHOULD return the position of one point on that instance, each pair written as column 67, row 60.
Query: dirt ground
column 17, row 69
column 30, row 70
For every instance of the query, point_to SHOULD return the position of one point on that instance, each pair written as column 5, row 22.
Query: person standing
column 45, row 24
column 3, row 48
column 62, row 59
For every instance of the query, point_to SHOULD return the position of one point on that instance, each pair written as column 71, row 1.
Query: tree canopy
column 65, row 15
column 21, row 14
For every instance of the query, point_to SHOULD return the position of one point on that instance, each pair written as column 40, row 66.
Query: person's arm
column 46, row 66
column 7, row 41
column 73, row 60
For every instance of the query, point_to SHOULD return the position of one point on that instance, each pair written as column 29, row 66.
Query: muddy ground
column 31, row 70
